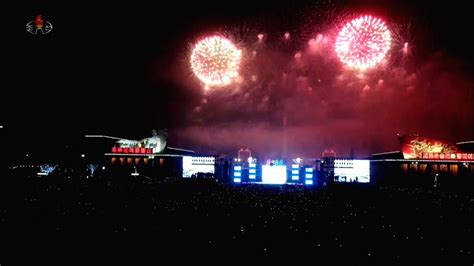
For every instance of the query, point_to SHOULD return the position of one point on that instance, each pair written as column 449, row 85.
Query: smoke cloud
column 290, row 103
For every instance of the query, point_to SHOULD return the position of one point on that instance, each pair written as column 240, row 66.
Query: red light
column 142, row 150
column 119, row 150
column 125, row 150
column 149, row 151
column 137, row 150
column 114, row 149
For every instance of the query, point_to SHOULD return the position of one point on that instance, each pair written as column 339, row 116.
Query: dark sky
column 117, row 69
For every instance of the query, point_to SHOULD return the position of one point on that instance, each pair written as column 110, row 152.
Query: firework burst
column 215, row 61
column 363, row 42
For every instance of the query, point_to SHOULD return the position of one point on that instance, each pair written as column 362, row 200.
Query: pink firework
column 363, row 42
column 215, row 61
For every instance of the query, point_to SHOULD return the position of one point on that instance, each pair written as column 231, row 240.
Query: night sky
column 120, row 69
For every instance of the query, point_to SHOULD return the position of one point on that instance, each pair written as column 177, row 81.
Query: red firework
column 363, row 42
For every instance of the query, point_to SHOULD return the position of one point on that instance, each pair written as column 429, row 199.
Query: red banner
column 132, row 150
column 447, row 156
column 413, row 147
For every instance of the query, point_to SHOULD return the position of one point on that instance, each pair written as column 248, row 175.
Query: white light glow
column 274, row 174
column 194, row 165
column 352, row 171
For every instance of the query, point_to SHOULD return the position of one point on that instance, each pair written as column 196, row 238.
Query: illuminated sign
column 308, row 176
column 156, row 143
column 194, row 165
column 275, row 162
column 237, row 173
column 352, row 171
column 413, row 147
column 447, row 156
column 132, row 150
column 253, row 169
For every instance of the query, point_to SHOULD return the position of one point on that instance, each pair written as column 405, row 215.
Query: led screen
column 352, row 171
column 275, row 174
column 194, row 165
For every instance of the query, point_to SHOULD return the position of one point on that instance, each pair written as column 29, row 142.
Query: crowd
column 381, row 225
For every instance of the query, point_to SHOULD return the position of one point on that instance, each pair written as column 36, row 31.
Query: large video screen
column 275, row 174
column 352, row 171
column 194, row 166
